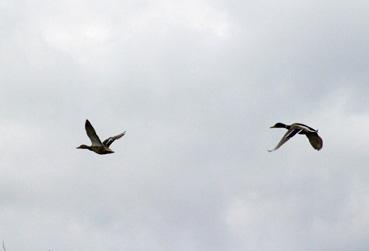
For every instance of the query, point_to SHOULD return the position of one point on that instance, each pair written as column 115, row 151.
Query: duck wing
column 315, row 141
column 289, row 134
column 110, row 140
column 92, row 134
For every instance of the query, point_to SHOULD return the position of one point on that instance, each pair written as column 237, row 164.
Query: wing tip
column 87, row 122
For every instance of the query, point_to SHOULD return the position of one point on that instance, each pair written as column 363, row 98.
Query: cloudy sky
column 196, row 84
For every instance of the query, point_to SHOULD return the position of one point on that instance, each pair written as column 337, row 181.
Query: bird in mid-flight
column 97, row 146
column 297, row 128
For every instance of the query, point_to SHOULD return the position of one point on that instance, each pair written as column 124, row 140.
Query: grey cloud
column 196, row 85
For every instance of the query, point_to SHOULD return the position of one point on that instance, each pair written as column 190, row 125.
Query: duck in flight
column 297, row 128
column 97, row 146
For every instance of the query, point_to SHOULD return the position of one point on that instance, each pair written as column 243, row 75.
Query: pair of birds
column 293, row 129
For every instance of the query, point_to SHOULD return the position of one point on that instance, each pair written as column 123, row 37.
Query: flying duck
column 97, row 146
column 297, row 128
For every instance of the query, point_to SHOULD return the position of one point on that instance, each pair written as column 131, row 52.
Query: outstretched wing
column 315, row 140
column 289, row 134
column 92, row 134
column 110, row 140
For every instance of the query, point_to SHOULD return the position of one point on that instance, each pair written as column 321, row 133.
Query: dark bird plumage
column 96, row 145
column 298, row 128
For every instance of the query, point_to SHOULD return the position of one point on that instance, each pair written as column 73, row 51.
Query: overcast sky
column 196, row 84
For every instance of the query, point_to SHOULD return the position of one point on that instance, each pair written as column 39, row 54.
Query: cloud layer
column 196, row 85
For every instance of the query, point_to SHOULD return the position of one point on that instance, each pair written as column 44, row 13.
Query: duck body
column 97, row 149
column 97, row 146
column 298, row 128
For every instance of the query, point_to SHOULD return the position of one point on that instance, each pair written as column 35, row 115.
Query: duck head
column 84, row 147
column 279, row 125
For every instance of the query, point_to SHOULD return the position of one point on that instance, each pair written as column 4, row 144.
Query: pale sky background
column 196, row 84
